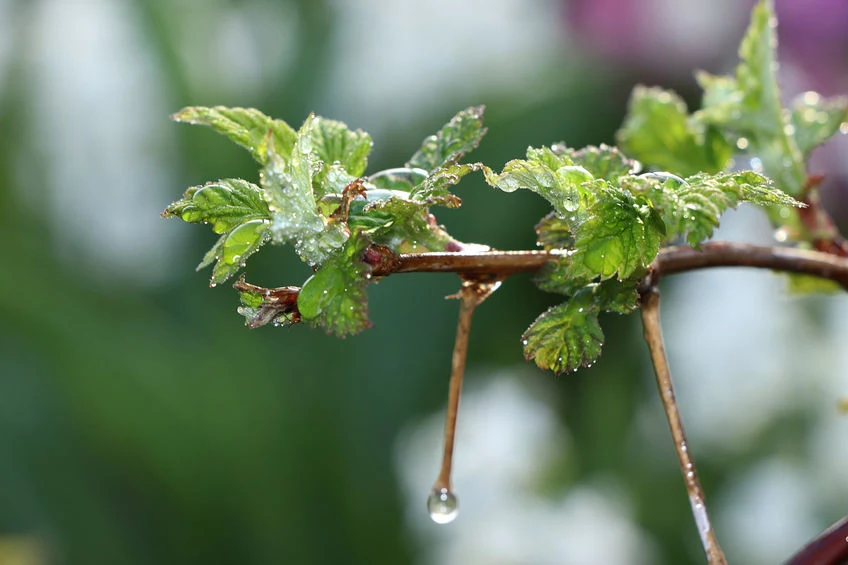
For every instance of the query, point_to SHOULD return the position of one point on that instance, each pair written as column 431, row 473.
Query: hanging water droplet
column 442, row 506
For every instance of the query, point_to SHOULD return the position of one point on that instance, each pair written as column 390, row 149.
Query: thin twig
column 472, row 293
column 650, row 307
column 676, row 259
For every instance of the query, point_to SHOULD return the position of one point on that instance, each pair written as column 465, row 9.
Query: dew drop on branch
column 442, row 506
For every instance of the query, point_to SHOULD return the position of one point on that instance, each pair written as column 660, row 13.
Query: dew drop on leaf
column 442, row 506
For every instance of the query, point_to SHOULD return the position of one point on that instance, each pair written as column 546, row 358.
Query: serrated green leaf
column 236, row 246
column 223, row 204
column 567, row 336
column 403, row 225
column 602, row 162
column 334, row 142
column 459, row 136
column 435, row 188
column 295, row 216
column 815, row 119
column 622, row 233
column 620, row 297
column 747, row 107
column 554, row 177
column 248, row 127
column 659, row 132
column 554, row 232
column 334, row 297
column 691, row 208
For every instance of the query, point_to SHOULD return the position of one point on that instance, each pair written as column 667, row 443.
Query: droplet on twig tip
column 442, row 506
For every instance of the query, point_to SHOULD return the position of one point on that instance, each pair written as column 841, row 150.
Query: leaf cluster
column 674, row 174
column 312, row 195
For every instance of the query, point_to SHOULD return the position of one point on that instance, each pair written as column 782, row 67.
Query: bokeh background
column 141, row 423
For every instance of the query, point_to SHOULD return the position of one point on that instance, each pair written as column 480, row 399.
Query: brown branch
column 671, row 260
column 650, row 307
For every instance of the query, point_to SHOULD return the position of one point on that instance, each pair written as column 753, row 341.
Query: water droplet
column 442, row 506
column 742, row 143
column 580, row 310
column 524, row 342
column 781, row 235
column 326, row 291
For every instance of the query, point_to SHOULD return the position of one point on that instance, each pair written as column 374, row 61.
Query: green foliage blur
column 141, row 422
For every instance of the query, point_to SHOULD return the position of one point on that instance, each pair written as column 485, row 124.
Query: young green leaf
column 235, row 246
column 456, row 138
column 405, row 226
column 567, row 336
column 748, row 106
column 435, row 188
column 554, row 232
column 295, row 216
column 334, row 297
column 693, row 207
column 248, row 127
column 224, row 204
column 622, row 233
column 659, row 132
column 815, row 119
column 602, row 162
column 554, row 177
column 333, row 141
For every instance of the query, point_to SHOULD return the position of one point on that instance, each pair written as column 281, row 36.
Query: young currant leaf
column 554, row 232
column 815, row 119
column 434, row 189
column 748, row 105
column 659, row 132
column 334, row 297
column 456, row 138
column 567, row 336
column 406, row 226
column 248, row 127
column 295, row 216
column 236, row 246
column 333, row 141
column 693, row 207
column 622, row 233
column 602, row 162
column 554, row 177
column 224, row 204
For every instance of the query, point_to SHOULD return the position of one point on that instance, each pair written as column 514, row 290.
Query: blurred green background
column 141, row 423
